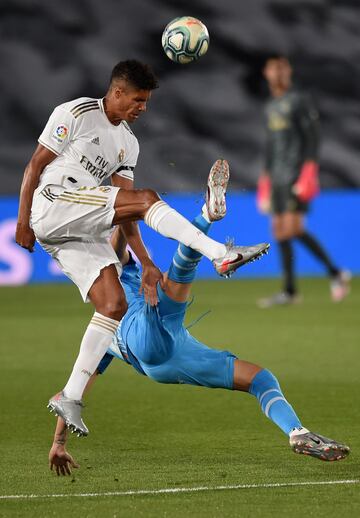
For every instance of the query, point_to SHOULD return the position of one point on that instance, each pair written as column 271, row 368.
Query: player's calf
column 185, row 261
column 265, row 387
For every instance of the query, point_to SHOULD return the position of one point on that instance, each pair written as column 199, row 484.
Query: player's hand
column 263, row 194
column 307, row 185
column 25, row 237
column 61, row 460
column 264, row 206
column 151, row 276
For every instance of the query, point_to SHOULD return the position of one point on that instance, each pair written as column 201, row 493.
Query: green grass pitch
column 147, row 436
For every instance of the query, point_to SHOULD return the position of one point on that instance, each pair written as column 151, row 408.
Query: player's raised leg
column 146, row 205
column 262, row 384
column 185, row 261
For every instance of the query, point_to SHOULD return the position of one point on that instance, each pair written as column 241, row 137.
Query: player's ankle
column 299, row 430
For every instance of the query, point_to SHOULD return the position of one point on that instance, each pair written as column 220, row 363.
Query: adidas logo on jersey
column 96, row 141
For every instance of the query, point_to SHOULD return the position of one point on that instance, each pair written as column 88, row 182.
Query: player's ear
column 119, row 89
column 119, row 92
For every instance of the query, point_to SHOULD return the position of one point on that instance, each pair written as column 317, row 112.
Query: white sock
column 165, row 220
column 298, row 431
column 96, row 340
column 205, row 213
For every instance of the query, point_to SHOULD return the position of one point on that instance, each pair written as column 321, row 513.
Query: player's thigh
column 146, row 337
column 83, row 261
column 107, row 294
column 298, row 223
column 170, row 306
column 292, row 224
column 193, row 363
column 287, row 225
column 154, row 333
column 132, row 205
column 276, row 225
column 60, row 215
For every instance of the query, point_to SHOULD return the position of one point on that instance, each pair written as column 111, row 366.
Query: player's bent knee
column 150, row 197
column 244, row 373
column 115, row 309
column 284, row 235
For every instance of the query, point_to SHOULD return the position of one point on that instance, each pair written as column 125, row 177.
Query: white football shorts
column 74, row 227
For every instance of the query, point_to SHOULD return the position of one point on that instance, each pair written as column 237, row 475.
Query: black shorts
column 284, row 200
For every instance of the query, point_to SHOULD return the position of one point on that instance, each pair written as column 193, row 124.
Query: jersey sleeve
column 59, row 131
column 126, row 169
column 308, row 121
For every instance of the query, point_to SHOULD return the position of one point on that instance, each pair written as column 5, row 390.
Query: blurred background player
column 290, row 179
column 155, row 342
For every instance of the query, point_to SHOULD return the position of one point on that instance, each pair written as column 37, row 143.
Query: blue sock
column 185, row 260
column 265, row 387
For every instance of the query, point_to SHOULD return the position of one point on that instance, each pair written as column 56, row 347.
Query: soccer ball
column 185, row 39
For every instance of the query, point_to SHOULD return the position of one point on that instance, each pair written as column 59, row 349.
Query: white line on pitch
column 136, row 492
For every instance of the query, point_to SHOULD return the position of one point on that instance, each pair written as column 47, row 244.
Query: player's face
column 278, row 72
column 129, row 103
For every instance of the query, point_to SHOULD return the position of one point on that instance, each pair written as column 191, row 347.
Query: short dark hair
column 276, row 57
column 139, row 75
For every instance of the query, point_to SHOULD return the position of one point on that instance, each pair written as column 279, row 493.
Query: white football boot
column 237, row 256
column 70, row 411
column 318, row 446
column 216, row 190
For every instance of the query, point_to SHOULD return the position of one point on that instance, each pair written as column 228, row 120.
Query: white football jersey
column 89, row 148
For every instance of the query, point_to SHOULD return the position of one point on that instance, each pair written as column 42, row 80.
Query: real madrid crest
column 121, row 155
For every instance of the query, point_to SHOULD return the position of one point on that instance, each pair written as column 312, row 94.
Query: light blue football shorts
column 165, row 351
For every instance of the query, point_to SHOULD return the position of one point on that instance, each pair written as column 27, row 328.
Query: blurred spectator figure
column 290, row 179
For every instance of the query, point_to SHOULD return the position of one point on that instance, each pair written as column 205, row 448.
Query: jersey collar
column 102, row 110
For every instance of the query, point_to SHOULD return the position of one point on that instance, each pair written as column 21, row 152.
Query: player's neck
column 279, row 90
column 113, row 119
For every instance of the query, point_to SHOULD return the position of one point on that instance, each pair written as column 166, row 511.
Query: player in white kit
column 64, row 206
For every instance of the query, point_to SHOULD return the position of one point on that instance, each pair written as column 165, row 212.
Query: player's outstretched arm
column 42, row 156
column 59, row 459
column 118, row 242
column 151, row 275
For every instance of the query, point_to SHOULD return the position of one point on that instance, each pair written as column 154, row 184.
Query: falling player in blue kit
column 155, row 342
